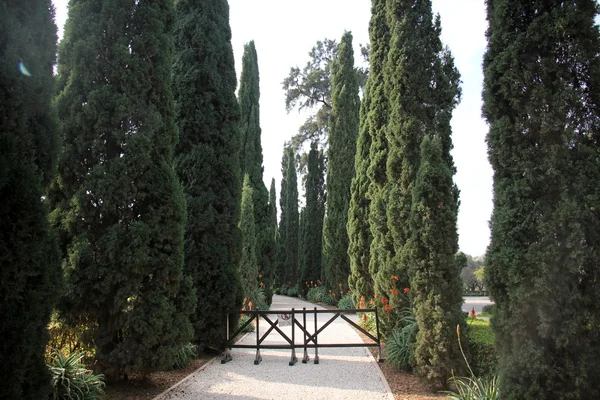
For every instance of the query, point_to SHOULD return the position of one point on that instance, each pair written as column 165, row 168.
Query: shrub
column 320, row 294
column 346, row 302
column 68, row 338
column 473, row 387
column 489, row 309
column 481, row 345
column 243, row 319
column 72, row 381
column 185, row 355
column 293, row 292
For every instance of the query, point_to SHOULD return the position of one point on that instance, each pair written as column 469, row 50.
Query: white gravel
column 342, row 373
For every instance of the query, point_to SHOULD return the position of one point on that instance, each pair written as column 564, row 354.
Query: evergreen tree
column 435, row 274
column 29, row 257
column 208, row 161
column 541, row 100
column 302, row 258
column 343, row 131
column 117, row 197
column 248, row 266
column 289, row 223
column 373, row 116
column 272, row 236
column 251, row 160
column 313, row 218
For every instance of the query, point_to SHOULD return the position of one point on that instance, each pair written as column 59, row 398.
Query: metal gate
column 298, row 320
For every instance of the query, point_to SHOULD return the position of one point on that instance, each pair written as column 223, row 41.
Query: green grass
column 485, row 315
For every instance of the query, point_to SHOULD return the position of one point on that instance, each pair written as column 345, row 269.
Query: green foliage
column 346, row 302
column 373, row 116
column 541, row 102
column 287, row 249
column 185, row 355
column 207, row 161
column 29, row 256
column 343, row 131
column 293, row 292
column 320, row 294
column 312, row 239
column 118, row 203
column 242, row 321
column 489, row 309
column 400, row 343
column 72, row 381
column 272, row 235
column 251, row 162
column 248, row 269
column 483, row 356
column 69, row 337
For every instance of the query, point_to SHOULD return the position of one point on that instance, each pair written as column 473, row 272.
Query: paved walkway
column 342, row 373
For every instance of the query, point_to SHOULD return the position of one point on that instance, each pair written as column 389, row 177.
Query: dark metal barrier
column 311, row 340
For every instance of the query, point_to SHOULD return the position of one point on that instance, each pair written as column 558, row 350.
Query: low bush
column 489, row 309
column 72, row 381
column 68, row 337
column 293, row 292
column 185, row 355
column 320, row 294
column 399, row 344
column 346, row 302
column 480, row 335
column 243, row 319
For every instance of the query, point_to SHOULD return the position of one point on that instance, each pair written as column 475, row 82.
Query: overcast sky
column 284, row 32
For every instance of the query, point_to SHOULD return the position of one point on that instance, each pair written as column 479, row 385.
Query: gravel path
column 342, row 373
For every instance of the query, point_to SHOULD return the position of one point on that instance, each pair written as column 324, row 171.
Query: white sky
column 284, row 32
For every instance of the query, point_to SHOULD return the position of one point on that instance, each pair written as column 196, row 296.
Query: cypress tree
column 272, row 236
column 435, row 274
column 29, row 256
column 289, row 222
column 313, row 218
column 541, row 100
column 117, row 197
column 343, row 131
column 373, row 116
column 251, row 159
column 248, row 266
column 302, row 258
column 208, row 161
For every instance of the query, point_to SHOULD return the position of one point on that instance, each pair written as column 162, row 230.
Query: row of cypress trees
column 139, row 178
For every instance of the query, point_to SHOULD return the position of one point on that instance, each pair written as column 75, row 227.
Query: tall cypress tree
column 313, row 218
column 541, row 100
column 289, row 223
column 248, row 266
column 422, row 86
column 251, row 159
column 29, row 257
column 118, row 199
column 435, row 275
column 272, row 236
column 343, row 131
column 373, row 116
column 208, row 161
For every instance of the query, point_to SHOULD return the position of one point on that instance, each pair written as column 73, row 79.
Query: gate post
column 294, row 359
column 258, row 357
column 306, row 357
column 227, row 353
column 316, row 340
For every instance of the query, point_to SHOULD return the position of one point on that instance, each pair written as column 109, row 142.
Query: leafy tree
column 541, row 99
column 208, row 161
column 287, row 257
column 251, row 160
column 313, row 216
column 118, row 201
column 373, row 116
column 469, row 266
column 343, row 131
column 248, row 266
column 29, row 256
column 436, row 285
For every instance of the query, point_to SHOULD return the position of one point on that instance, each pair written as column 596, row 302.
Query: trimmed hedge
column 483, row 358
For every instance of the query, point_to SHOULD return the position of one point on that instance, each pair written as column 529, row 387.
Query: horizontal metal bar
column 270, row 312
column 300, row 346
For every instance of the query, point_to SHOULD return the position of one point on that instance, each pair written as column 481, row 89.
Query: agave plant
column 72, row 381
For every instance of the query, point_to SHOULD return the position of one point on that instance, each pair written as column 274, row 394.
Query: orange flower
column 394, row 292
column 394, row 278
column 387, row 308
column 243, row 308
column 406, row 290
column 250, row 305
column 384, row 300
column 365, row 318
column 372, row 302
column 333, row 294
column 340, row 285
column 375, row 295
column 329, row 290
